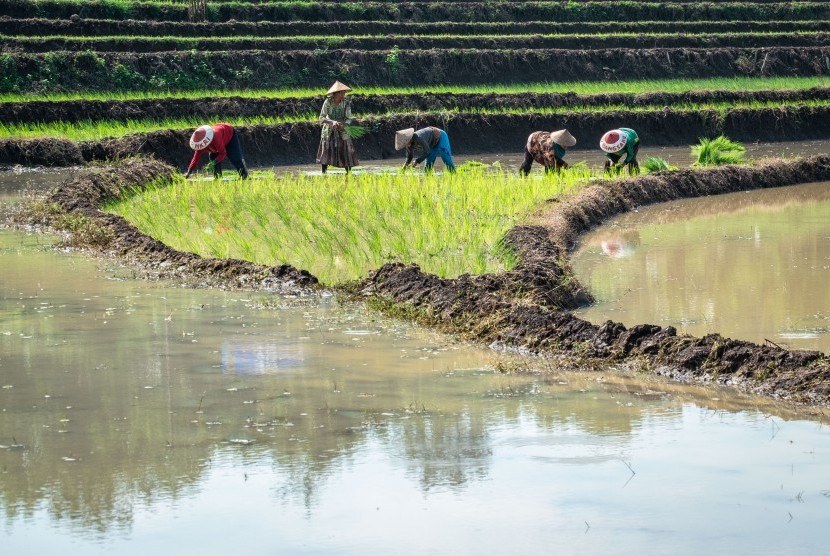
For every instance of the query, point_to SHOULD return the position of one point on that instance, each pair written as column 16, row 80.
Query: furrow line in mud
column 108, row 71
column 527, row 308
column 71, row 111
column 288, row 144
column 82, row 198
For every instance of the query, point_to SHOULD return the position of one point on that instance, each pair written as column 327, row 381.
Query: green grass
column 717, row 151
column 669, row 86
column 340, row 227
column 90, row 130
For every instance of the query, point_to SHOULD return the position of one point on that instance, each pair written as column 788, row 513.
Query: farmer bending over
column 431, row 140
column 621, row 147
column 547, row 148
column 219, row 141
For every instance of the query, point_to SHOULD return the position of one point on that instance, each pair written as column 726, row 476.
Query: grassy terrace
column 583, row 88
column 98, row 129
column 625, row 10
column 340, row 229
column 134, row 28
column 375, row 42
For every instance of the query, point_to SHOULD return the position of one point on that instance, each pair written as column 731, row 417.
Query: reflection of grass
column 339, row 227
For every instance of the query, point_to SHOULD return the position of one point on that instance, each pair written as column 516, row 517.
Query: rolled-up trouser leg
column 445, row 151
column 234, row 149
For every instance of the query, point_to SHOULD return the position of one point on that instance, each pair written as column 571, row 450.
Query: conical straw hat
column 201, row 138
column 613, row 141
column 337, row 87
column 403, row 137
column 563, row 138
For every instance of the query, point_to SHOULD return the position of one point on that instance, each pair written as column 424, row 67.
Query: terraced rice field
column 490, row 72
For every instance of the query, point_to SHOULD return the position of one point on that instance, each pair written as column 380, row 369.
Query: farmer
column 336, row 146
column 431, row 140
column 547, row 148
column 621, row 147
column 219, row 141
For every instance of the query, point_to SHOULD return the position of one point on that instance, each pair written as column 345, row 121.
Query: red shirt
column 222, row 134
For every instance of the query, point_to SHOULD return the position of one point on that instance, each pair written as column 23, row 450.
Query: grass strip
column 585, row 87
column 89, row 130
column 340, row 227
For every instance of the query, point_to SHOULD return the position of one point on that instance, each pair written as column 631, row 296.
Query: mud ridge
column 288, row 144
column 527, row 309
column 262, row 69
column 72, row 111
column 75, row 206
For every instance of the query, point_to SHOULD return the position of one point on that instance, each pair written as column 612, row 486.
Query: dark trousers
column 234, row 148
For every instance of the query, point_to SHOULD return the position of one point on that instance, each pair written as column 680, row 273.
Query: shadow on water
column 139, row 416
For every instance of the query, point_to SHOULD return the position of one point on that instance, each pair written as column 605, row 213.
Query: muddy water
column 137, row 416
column 591, row 155
column 752, row 266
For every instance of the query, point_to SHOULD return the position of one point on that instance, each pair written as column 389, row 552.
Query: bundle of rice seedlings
column 717, row 151
column 657, row 164
column 356, row 131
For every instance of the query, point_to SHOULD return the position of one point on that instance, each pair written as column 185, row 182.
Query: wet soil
column 371, row 104
column 135, row 27
column 527, row 308
column 288, row 144
column 537, row 317
column 309, row 68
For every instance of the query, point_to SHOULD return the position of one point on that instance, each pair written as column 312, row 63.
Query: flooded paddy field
column 750, row 265
column 139, row 415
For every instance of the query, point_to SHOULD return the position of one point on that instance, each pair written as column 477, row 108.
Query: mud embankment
column 134, row 27
column 513, row 310
column 217, row 108
column 387, row 43
column 122, row 71
column 525, row 308
column 289, row 144
column 426, row 11
column 82, row 198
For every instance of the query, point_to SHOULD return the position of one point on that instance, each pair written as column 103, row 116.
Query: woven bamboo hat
column 403, row 137
column 337, row 87
column 563, row 138
column 613, row 141
column 201, row 138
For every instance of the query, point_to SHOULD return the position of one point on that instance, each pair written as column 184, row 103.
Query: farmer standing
column 621, row 147
column 431, row 140
column 547, row 148
column 336, row 146
column 219, row 141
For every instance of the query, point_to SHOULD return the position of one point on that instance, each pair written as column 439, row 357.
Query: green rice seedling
column 717, row 151
column 657, row 164
column 339, row 228
column 356, row 131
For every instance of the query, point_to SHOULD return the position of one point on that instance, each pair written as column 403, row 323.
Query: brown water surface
column 752, row 266
column 140, row 417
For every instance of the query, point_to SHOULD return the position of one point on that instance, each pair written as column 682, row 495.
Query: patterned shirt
column 338, row 112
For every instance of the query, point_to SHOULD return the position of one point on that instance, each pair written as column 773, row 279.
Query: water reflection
column 135, row 416
column 749, row 265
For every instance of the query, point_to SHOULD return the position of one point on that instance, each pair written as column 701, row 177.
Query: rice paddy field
column 94, row 83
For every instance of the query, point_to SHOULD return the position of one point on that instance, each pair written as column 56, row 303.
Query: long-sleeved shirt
column 222, row 134
column 425, row 140
column 341, row 113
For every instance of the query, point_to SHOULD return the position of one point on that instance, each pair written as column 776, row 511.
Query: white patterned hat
column 201, row 138
column 613, row 141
